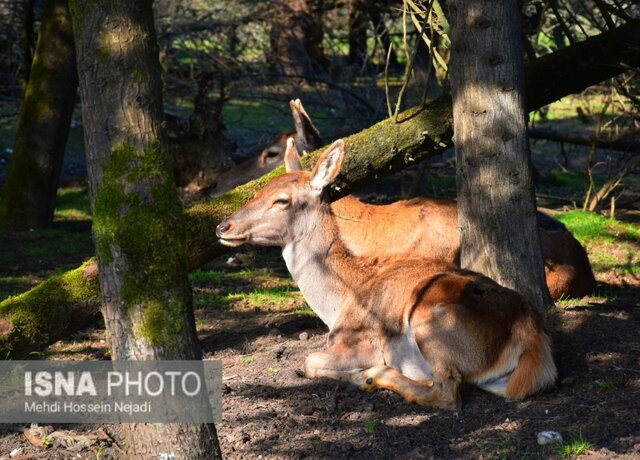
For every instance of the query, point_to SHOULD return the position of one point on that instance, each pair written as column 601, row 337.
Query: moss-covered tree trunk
column 24, row 328
column 138, row 223
column 29, row 193
column 497, row 211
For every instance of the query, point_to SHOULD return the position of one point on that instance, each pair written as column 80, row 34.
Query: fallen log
column 40, row 316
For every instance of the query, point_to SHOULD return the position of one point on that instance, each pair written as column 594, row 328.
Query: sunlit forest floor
column 250, row 314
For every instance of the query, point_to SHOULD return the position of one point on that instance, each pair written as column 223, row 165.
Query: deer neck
column 319, row 263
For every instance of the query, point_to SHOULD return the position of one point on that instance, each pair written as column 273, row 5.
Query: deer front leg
column 334, row 366
column 441, row 392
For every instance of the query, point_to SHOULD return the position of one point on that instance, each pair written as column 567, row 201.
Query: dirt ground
column 271, row 411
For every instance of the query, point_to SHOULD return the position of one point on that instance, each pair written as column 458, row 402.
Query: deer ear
column 291, row 157
column 328, row 166
column 307, row 135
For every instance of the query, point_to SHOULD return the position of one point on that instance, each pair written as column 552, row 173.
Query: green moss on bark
column 138, row 218
column 59, row 306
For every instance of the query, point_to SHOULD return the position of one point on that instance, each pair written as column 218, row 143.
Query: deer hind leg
column 442, row 392
column 333, row 366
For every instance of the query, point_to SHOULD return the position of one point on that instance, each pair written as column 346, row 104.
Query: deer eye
column 282, row 202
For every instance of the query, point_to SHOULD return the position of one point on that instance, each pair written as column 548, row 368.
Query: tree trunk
column 358, row 23
column 29, row 193
column 497, row 212
column 376, row 10
column 138, row 223
column 296, row 37
column 21, row 322
column 14, row 61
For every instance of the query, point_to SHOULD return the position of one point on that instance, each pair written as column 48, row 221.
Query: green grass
column 370, row 426
column 605, row 384
column 589, row 226
column 602, row 259
column 73, row 204
column 208, row 278
column 306, row 310
column 613, row 245
column 577, row 445
column 570, row 181
column 55, row 241
column 208, row 299
column 247, row 360
column 257, row 115
column 276, row 296
column 12, row 285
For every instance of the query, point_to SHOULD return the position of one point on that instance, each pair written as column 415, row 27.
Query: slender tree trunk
column 138, row 222
column 29, row 194
column 383, row 148
column 358, row 23
column 14, row 57
column 496, row 202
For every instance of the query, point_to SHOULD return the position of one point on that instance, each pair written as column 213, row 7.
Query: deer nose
column 224, row 227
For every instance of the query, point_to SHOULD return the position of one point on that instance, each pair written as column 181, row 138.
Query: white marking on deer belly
column 497, row 386
column 495, row 380
column 404, row 355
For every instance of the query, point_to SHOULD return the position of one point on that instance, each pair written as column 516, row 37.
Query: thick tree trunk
column 29, row 194
column 296, row 36
column 138, row 223
column 497, row 212
column 21, row 324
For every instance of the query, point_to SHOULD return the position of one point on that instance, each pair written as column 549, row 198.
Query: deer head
column 286, row 209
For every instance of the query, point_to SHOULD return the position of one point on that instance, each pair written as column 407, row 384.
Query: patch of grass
column 565, row 302
column 252, row 115
column 605, row 384
column 247, row 360
column 370, row 426
column 306, row 310
column 11, row 285
column 73, row 204
column 244, row 274
column 207, row 278
column 56, row 241
column 623, row 258
column 589, row 226
column 614, row 246
column 570, row 181
column 203, row 298
column 577, row 445
column 276, row 296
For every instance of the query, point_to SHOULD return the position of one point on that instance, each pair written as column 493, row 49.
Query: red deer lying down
column 416, row 326
column 306, row 136
column 429, row 226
